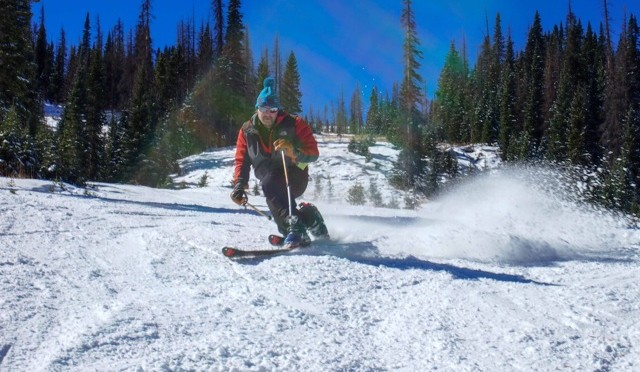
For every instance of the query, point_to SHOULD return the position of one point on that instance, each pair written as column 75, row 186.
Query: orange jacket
column 252, row 149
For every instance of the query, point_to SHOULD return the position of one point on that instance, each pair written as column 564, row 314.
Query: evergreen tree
column 576, row 127
column 374, row 122
column 490, row 101
column 374, row 194
column 143, row 116
column 59, row 68
column 616, row 98
column 341, row 115
column 250, row 76
column 484, row 115
column 410, row 93
column 355, row 195
column 42, row 60
column 276, row 64
column 632, row 117
column 290, row 95
column 18, row 72
column 93, row 139
column 409, row 131
column 71, row 157
column 507, row 102
column 14, row 145
column 594, row 74
column 218, row 29
column 230, row 100
column 450, row 104
column 356, row 123
column 571, row 80
column 533, row 125
column 205, row 49
column 620, row 190
column 552, row 69
column 115, row 64
column 232, row 64
column 263, row 70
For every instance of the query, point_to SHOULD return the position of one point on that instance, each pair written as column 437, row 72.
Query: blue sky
column 341, row 43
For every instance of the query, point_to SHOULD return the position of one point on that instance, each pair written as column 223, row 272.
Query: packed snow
column 500, row 273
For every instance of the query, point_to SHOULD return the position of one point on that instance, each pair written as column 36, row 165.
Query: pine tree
column 507, row 102
column 205, row 49
column 552, row 70
column 218, row 29
column 616, row 98
column 143, row 116
column 71, row 157
column 276, row 63
column 290, row 95
column 58, row 74
column 594, row 65
column 115, row 62
column 576, row 127
column 632, row 117
column 18, row 71
column 355, row 195
column 263, row 70
column 356, row 124
column 14, row 145
column 450, row 103
column 93, row 137
column 374, row 194
column 230, row 99
column 484, row 116
column 74, row 135
column 341, row 115
column 571, row 79
column 491, row 115
column 374, row 122
column 42, row 60
column 409, row 131
column 410, row 93
column 250, row 76
column 533, row 125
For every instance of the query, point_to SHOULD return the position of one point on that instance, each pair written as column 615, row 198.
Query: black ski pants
column 274, row 186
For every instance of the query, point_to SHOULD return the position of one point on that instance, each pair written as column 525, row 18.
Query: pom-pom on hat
column 268, row 95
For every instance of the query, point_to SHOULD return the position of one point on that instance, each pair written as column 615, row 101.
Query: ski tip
column 228, row 252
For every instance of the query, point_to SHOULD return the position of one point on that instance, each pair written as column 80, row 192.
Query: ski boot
column 314, row 221
column 297, row 236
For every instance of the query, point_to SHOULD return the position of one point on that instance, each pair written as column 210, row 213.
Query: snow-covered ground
column 497, row 275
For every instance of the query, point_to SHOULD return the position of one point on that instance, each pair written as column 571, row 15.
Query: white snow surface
column 499, row 274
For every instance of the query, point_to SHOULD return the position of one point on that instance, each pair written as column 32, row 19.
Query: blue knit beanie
column 268, row 95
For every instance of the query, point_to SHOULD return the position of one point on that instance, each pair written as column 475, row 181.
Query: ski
column 233, row 252
column 276, row 240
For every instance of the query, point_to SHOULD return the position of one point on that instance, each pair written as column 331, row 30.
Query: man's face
column 267, row 115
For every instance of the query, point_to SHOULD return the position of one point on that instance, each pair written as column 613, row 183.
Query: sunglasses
column 265, row 109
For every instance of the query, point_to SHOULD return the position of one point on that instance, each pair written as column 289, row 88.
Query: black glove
column 238, row 195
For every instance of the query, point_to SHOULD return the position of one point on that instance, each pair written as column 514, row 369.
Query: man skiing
column 270, row 132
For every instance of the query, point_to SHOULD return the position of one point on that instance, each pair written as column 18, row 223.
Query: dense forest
column 570, row 99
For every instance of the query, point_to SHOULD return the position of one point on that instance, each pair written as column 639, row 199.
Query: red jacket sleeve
column 307, row 151
column 242, row 162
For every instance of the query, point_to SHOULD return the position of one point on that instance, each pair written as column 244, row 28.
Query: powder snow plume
column 511, row 216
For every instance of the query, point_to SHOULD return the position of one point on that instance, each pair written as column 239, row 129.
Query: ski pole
column 257, row 210
column 286, row 178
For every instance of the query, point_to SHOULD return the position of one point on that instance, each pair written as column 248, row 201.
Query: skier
column 270, row 131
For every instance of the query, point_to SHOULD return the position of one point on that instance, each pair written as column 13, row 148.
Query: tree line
column 570, row 99
column 129, row 111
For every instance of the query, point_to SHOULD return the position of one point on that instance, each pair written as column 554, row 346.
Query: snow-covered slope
column 496, row 275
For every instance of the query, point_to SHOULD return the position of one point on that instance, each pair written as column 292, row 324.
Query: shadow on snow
column 366, row 253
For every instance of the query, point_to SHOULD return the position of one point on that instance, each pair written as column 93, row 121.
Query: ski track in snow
column 131, row 278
